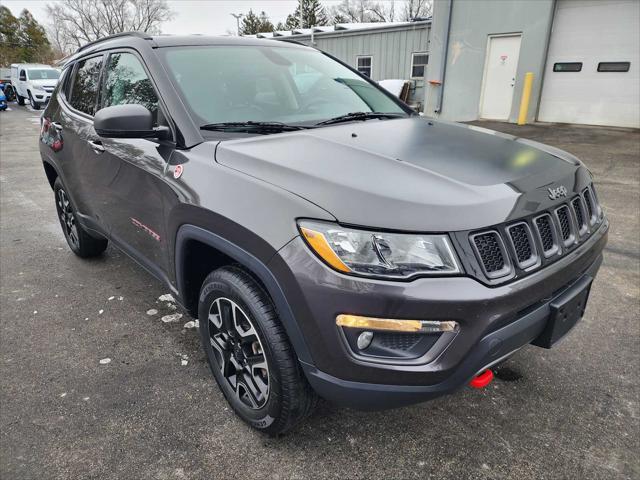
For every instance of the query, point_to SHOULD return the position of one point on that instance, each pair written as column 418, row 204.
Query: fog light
column 395, row 325
column 364, row 340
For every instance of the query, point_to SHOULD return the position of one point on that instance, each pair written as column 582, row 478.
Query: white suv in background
column 34, row 82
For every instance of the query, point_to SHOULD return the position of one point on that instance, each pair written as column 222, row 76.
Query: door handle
column 57, row 126
column 97, row 146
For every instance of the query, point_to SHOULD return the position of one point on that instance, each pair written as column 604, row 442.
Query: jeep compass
column 331, row 242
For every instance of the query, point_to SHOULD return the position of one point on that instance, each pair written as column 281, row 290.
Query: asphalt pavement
column 153, row 410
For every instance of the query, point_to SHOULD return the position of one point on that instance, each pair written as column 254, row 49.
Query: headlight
column 39, row 88
column 379, row 254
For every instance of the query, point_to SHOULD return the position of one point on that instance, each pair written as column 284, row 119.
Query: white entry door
column 499, row 79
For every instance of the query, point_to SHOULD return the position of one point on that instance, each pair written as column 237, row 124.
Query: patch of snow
column 167, row 297
column 393, row 86
column 171, row 318
column 100, row 312
column 104, row 361
column 171, row 306
column 152, row 311
column 184, row 359
column 64, row 394
column 120, row 298
column 35, row 311
column 111, row 298
column 192, row 324
column 86, row 399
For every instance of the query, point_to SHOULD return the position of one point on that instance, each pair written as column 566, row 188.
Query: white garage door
column 592, row 72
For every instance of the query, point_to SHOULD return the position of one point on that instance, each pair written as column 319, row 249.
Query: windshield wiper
column 250, row 126
column 353, row 116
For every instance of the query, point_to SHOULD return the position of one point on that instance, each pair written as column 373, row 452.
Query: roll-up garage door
column 592, row 73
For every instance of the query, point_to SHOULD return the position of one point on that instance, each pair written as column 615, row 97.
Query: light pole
column 237, row 16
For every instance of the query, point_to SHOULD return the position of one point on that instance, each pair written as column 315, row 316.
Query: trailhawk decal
column 145, row 229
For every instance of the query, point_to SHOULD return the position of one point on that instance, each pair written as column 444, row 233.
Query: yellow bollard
column 526, row 97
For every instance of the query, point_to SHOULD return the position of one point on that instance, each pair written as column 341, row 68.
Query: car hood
column 410, row 174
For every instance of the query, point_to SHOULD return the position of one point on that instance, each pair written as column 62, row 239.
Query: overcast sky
column 211, row 17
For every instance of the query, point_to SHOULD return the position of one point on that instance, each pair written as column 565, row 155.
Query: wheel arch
column 51, row 172
column 190, row 238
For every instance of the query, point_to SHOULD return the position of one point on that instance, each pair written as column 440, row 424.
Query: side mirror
column 127, row 121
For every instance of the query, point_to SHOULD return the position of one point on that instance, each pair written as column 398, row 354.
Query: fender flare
column 191, row 232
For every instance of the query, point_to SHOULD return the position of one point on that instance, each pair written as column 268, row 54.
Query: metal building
column 380, row 50
column 584, row 56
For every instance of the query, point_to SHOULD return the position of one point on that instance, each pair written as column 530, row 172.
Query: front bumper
column 494, row 322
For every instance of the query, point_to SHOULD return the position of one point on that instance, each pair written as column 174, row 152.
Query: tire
column 79, row 241
column 273, row 395
column 20, row 99
column 9, row 93
column 35, row 105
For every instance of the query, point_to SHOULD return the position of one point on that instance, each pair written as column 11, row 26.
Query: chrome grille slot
column 523, row 244
column 578, row 209
column 566, row 225
column 547, row 235
column 492, row 255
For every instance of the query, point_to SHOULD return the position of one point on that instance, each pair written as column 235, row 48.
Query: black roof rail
column 144, row 36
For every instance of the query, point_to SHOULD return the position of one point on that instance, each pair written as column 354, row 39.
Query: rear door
column 134, row 169
column 81, row 169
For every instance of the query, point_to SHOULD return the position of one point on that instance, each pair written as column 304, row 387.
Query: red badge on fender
column 178, row 171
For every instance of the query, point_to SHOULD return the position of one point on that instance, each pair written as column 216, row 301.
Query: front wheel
column 249, row 353
column 34, row 104
column 20, row 99
column 80, row 242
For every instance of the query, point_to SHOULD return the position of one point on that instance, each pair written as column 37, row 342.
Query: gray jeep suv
column 330, row 241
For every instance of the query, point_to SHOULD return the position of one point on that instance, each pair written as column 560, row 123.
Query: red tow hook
column 482, row 379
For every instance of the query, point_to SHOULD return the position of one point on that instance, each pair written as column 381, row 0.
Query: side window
column 85, row 85
column 364, row 65
column 23, row 75
column 126, row 82
column 419, row 63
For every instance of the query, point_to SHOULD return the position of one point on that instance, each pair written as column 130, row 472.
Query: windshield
column 269, row 84
column 43, row 74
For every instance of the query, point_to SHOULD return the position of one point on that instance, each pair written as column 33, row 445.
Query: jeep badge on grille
column 561, row 191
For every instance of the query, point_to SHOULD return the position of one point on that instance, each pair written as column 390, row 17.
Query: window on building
column 567, row 67
column 365, row 65
column 419, row 63
column 85, row 85
column 126, row 82
column 614, row 66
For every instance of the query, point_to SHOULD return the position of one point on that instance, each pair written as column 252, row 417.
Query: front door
column 499, row 80
column 134, row 169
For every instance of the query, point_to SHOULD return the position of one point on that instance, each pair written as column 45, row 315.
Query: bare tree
column 417, row 9
column 75, row 22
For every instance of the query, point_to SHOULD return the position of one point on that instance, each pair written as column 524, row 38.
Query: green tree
column 34, row 43
column 23, row 39
column 311, row 12
column 252, row 24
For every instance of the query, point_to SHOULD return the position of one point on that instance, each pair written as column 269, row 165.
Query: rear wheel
column 249, row 353
column 80, row 242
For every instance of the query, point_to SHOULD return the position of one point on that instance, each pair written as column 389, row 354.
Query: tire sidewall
column 57, row 186
column 264, row 417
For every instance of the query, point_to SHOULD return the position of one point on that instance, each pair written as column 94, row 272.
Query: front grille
column 522, row 243
column 535, row 241
column 489, row 248
column 545, row 231
column 565, row 222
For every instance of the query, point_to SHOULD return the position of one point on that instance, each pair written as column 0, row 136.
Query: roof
column 161, row 41
column 341, row 28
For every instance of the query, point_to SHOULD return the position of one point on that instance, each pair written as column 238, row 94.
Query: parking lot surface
column 154, row 411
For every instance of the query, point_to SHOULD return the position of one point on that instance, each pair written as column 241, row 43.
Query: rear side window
column 126, row 82
column 85, row 85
